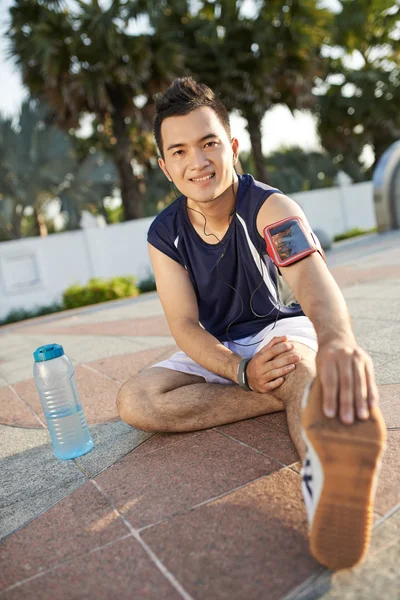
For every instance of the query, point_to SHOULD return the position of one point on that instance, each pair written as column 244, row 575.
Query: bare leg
column 293, row 394
column 160, row 399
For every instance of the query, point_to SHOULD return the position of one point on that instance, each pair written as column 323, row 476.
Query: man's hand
column 267, row 369
column 347, row 377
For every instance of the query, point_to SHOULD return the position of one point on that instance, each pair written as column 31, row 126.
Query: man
column 219, row 253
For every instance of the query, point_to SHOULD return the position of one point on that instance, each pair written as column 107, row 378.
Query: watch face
column 289, row 239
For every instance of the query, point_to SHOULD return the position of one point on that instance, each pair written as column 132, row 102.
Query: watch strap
column 242, row 377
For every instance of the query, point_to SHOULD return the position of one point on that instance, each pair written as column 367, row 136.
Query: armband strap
column 290, row 240
column 242, row 377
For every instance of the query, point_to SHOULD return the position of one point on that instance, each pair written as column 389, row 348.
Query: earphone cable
column 276, row 306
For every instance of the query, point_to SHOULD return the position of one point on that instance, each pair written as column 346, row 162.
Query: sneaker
column 339, row 478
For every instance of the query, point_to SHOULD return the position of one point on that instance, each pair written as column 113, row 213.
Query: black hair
column 182, row 97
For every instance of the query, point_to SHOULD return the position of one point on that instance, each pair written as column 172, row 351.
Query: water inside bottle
column 69, row 432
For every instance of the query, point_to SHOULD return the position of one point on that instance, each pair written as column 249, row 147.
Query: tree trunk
column 104, row 213
column 254, row 128
column 16, row 221
column 380, row 146
column 131, row 196
column 41, row 226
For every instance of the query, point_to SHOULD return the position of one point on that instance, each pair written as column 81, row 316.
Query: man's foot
column 339, row 479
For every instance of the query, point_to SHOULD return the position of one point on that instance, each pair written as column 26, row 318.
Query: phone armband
column 289, row 241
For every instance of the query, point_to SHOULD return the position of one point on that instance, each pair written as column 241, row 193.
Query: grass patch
column 353, row 233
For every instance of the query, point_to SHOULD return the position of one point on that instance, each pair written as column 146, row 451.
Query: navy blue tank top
column 235, row 281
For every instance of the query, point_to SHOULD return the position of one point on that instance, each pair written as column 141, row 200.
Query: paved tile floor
column 206, row 515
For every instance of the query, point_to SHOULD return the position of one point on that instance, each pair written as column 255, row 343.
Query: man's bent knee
column 146, row 407
column 292, row 389
column 135, row 406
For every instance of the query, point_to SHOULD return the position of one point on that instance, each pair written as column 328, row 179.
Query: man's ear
column 235, row 147
column 161, row 164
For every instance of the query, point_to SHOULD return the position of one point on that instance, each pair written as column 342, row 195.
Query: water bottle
column 55, row 382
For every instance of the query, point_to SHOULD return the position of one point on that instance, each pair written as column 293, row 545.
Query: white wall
column 35, row 271
column 119, row 249
column 336, row 210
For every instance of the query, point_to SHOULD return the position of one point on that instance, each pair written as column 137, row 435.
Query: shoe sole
column 350, row 458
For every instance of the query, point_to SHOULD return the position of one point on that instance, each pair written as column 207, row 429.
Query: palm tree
column 255, row 62
column 85, row 60
column 359, row 106
column 93, row 179
column 293, row 169
column 38, row 164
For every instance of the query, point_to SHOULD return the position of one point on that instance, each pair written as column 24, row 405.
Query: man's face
column 198, row 154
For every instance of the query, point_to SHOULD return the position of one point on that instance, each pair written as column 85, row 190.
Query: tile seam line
column 275, row 460
column 209, row 500
column 93, row 475
column 150, row 553
column 114, row 379
column 386, row 517
column 89, row 368
column 62, row 563
column 82, row 310
column 277, row 427
column 49, row 489
column 303, row 587
column 195, row 434
column 27, row 405
column 132, row 452
column 325, row 574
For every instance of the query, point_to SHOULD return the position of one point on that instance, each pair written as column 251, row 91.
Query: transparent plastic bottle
column 55, row 381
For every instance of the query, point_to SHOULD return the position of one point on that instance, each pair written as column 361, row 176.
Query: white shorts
column 298, row 329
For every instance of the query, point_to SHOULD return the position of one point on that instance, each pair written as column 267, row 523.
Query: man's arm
column 179, row 302
column 345, row 370
column 181, row 310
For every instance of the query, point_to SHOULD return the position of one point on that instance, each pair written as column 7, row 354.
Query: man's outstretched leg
column 339, row 479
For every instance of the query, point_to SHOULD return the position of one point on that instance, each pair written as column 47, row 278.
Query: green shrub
column 147, row 285
column 99, row 290
column 353, row 233
column 21, row 314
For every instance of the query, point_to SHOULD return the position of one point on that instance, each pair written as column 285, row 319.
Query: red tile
column 390, row 401
column 148, row 326
column 121, row 570
column 342, row 275
column 346, row 276
column 159, row 441
column 82, row 521
column 125, row 366
column 276, row 419
column 388, row 492
column 13, row 411
column 97, row 392
column 266, row 437
column 29, row 394
column 154, row 486
column 250, row 544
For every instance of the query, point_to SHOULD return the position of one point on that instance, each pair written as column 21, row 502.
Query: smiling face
column 198, row 154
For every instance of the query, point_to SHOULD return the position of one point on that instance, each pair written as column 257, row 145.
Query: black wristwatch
column 242, row 377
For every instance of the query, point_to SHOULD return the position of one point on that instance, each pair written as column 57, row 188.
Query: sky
column 279, row 126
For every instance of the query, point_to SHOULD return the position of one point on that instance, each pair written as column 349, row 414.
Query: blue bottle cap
column 48, row 352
